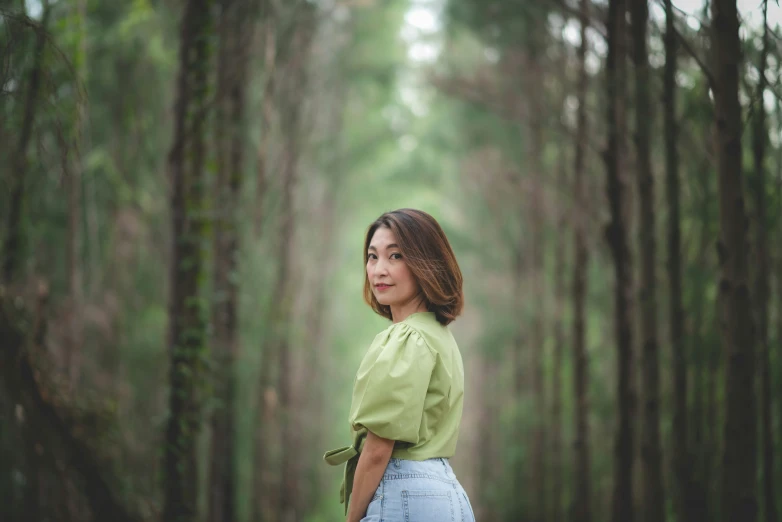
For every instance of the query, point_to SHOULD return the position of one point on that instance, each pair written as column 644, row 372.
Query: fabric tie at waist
column 347, row 455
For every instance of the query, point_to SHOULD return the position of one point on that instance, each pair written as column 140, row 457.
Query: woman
column 408, row 393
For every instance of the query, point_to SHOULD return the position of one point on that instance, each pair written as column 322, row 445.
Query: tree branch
column 687, row 47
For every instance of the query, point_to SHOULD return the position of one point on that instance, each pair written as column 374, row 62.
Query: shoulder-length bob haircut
column 430, row 258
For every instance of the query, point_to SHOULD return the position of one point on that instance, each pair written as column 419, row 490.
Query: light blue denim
column 419, row 491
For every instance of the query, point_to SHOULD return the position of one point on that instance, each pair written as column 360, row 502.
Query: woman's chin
column 384, row 302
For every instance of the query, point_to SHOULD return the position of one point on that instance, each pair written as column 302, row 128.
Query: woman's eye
column 371, row 256
column 396, row 255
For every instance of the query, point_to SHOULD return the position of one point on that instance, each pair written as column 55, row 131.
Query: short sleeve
column 391, row 385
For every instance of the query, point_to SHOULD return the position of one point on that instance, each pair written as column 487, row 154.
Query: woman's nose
column 381, row 266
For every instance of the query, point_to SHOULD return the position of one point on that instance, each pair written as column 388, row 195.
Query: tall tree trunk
column 705, row 358
column 267, row 396
column 488, row 475
column 557, row 457
column 74, row 335
column 9, row 458
column 715, row 377
column 778, row 273
column 295, row 93
column 535, row 95
column 278, row 482
column 187, row 312
column 582, row 510
column 651, row 451
column 520, row 473
column 684, row 501
column 60, row 441
column 317, row 352
column 288, row 431
column 739, row 457
column 539, row 450
column 263, row 471
column 313, row 412
column 518, row 355
column 617, row 235
column 763, row 281
column 268, row 47
column 282, row 493
column 12, row 249
column 235, row 34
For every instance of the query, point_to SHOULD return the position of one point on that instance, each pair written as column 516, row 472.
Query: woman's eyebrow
column 392, row 245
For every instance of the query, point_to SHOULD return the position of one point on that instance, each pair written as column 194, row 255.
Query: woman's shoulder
column 427, row 325
column 401, row 334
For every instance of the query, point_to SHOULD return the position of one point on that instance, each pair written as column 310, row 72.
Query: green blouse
column 410, row 389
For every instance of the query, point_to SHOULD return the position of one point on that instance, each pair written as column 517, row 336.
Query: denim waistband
column 437, row 467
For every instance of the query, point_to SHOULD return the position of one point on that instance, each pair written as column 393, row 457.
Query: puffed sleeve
column 391, row 384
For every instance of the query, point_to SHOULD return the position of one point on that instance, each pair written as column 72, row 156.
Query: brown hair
column 430, row 259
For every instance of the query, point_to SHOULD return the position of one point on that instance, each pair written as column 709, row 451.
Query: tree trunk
column 582, row 511
column 534, row 75
column 705, row 362
column 187, row 312
column 278, row 482
column 739, row 457
column 651, row 451
column 317, row 353
column 9, row 458
column 282, row 493
column 74, row 336
column 539, row 450
column 12, row 248
column 618, row 191
column 778, row 273
column 267, row 396
column 234, row 33
column 269, row 49
column 488, row 467
column 715, row 370
column 59, row 441
column 684, row 502
column 520, row 474
column 288, row 431
column 557, row 457
column 295, row 93
column 763, row 281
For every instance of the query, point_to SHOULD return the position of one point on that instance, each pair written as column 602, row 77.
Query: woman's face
column 392, row 282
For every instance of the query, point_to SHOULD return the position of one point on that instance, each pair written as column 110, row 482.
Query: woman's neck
column 402, row 312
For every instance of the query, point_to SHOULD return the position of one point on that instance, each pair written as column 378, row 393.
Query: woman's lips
column 382, row 288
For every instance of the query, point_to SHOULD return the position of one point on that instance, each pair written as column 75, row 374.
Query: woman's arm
column 371, row 465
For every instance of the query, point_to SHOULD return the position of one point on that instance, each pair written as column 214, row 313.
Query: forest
column 184, row 193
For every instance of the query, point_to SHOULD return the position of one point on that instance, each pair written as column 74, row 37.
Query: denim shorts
column 419, row 491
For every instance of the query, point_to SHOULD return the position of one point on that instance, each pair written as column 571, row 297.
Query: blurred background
column 185, row 189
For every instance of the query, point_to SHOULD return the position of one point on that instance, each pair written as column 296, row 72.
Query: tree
column 534, row 83
column 73, row 180
column 12, row 248
column 187, row 310
column 294, row 87
column 617, row 235
column 235, row 35
column 651, row 452
column 277, row 497
column 762, row 281
column 582, row 484
column 739, row 456
column 684, row 500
